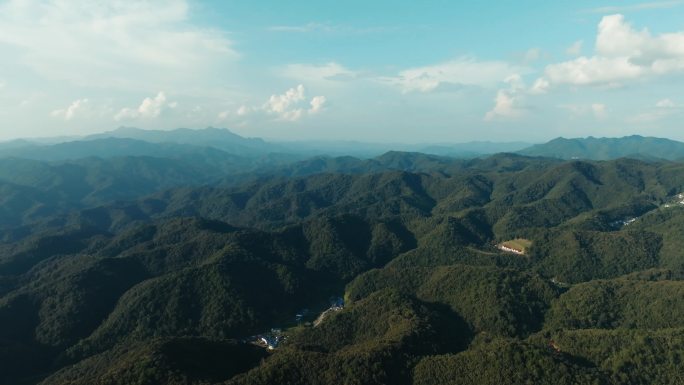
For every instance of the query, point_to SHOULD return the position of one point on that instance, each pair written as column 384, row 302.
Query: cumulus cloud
column 151, row 107
column 292, row 105
column 465, row 71
column 540, row 86
column 317, row 104
column 504, row 107
column 70, row 112
column 593, row 71
column 96, row 43
column 280, row 104
column 508, row 102
column 622, row 53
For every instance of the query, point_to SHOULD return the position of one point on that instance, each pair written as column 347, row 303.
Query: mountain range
column 634, row 146
column 132, row 141
column 167, row 260
column 128, row 141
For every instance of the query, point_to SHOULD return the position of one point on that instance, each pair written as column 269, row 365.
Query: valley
column 165, row 284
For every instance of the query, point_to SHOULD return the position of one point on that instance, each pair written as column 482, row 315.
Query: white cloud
column 149, row 108
column 326, row 73
column 96, row 43
column 290, row 106
column 593, row 71
column 666, row 103
column 617, row 38
column 540, row 86
column 292, row 115
column 508, row 102
column 575, row 48
column 2, row 84
column 662, row 109
column 504, row 107
column 280, row 104
column 465, row 71
column 622, row 54
column 243, row 110
column 317, row 104
column 70, row 112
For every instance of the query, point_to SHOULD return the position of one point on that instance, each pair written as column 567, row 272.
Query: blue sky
column 429, row 71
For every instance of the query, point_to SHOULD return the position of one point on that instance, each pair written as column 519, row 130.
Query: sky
column 375, row 71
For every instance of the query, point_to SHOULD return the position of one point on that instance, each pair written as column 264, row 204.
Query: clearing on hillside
column 517, row 246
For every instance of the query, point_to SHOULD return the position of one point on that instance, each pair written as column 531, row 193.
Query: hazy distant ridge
column 126, row 141
column 219, row 138
column 634, row 146
column 129, row 141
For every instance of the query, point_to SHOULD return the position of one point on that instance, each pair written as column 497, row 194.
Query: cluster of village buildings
column 271, row 340
column 680, row 200
column 336, row 304
column 622, row 222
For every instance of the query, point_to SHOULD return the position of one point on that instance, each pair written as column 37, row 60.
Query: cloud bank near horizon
column 78, row 66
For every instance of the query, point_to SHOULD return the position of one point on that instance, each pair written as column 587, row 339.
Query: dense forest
column 160, row 269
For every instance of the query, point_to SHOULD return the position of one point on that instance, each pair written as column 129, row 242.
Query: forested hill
column 499, row 270
column 635, row 146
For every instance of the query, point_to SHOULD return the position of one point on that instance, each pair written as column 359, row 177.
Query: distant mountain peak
column 220, row 138
column 137, row 131
column 632, row 146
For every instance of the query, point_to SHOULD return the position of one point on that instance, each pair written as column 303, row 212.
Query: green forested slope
column 162, row 286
